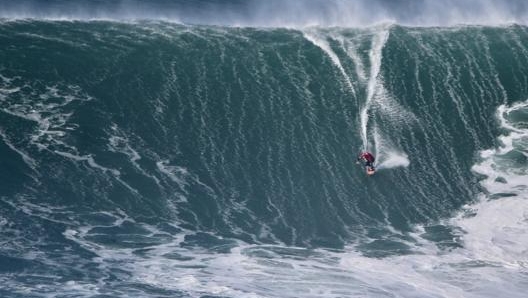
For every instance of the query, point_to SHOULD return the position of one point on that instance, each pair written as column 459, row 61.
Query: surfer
column 368, row 160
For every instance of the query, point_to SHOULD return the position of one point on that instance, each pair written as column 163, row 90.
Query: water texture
column 156, row 159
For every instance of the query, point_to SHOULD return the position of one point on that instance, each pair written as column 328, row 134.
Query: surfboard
column 371, row 171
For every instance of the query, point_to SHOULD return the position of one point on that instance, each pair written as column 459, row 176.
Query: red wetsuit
column 367, row 156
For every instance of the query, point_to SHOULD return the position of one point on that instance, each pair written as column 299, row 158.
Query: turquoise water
column 153, row 159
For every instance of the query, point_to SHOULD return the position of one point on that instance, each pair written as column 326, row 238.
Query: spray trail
column 373, row 87
column 322, row 43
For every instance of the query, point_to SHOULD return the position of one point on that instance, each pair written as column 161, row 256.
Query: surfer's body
column 368, row 161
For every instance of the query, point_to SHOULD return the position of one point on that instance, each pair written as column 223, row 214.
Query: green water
column 126, row 136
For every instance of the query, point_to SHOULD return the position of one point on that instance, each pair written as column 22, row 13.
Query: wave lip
column 276, row 13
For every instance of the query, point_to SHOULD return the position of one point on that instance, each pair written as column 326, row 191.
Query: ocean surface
column 148, row 158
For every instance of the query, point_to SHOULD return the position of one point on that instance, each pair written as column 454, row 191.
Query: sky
column 278, row 13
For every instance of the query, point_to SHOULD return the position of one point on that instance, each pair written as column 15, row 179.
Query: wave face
column 155, row 159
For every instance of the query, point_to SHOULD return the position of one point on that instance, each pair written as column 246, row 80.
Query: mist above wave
column 276, row 13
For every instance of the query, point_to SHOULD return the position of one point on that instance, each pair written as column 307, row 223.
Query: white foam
column 175, row 173
column 292, row 13
column 89, row 159
column 280, row 271
column 321, row 42
column 374, row 86
column 119, row 142
column 3, row 222
column 25, row 157
column 393, row 159
column 387, row 154
column 49, row 109
column 497, row 230
column 496, row 233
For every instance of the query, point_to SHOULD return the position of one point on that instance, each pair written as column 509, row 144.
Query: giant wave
column 157, row 159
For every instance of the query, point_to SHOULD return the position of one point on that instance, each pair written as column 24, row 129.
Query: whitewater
column 165, row 151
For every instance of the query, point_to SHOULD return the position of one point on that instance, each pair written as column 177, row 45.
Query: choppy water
column 150, row 159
